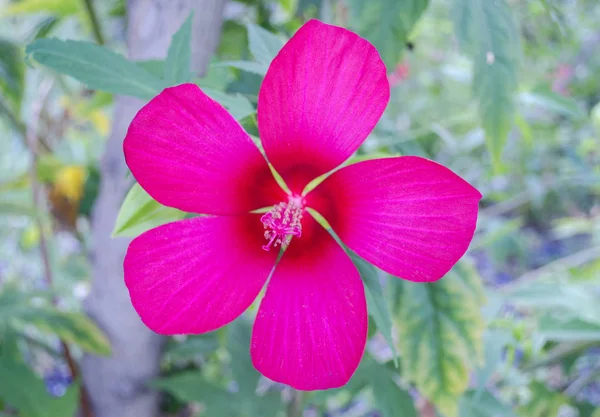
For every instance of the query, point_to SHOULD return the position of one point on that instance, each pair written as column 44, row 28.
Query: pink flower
column 322, row 96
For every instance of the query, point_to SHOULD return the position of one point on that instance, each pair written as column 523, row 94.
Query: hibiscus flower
column 321, row 97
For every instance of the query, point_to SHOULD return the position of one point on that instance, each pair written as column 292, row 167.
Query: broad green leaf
column 567, row 329
column 248, row 66
column 25, row 391
column 238, row 344
column 70, row 327
column 263, row 45
column 487, row 32
column 140, row 212
column 386, row 24
column 377, row 304
column 60, row 8
column 97, row 67
column 484, row 404
column 178, row 62
column 12, row 72
column 238, row 105
column 390, row 399
column 440, row 335
column 155, row 67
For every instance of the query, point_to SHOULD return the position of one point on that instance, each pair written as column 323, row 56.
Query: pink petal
column 196, row 275
column 311, row 327
column 322, row 95
column 409, row 216
column 187, row 152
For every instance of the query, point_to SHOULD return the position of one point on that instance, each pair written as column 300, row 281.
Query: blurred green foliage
column 504, row 92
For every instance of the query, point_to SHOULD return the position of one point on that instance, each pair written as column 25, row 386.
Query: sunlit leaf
column 140, row 212
column 56, row 7
column 488, row 34
column 179, row 56
column 440, row 335
column 95, row 66
column 386, row 24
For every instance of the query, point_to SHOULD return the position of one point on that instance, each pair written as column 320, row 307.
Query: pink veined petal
column 188, row 152
column 311, row 327
column 409, row 216
column 322, row 95
column 196, row 275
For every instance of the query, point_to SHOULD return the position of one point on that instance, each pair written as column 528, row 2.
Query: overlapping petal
column 188, row 152
column 196, row 275
column 311, row 327
column 321, row 97
column 409, row 216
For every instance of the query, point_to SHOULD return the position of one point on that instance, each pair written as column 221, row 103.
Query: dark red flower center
column 283, row 222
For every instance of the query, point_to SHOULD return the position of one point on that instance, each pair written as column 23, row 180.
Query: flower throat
column 283, row 223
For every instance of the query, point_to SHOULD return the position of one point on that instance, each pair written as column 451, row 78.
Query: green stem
column 295, row 406
column 96, row 29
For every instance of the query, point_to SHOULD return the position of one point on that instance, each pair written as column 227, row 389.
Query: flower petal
column 187, row 152
column 311, row 327
column 409, row 216
column 196, row 275
column 322, row 95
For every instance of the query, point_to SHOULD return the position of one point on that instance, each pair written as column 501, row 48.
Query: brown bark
column 117, row 384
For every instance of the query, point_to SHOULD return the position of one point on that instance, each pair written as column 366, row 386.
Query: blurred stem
column 295, row 405
column 96, row 29
column 12, row 117
column 31, row 135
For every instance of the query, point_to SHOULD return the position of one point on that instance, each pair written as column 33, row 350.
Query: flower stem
column 295, row 404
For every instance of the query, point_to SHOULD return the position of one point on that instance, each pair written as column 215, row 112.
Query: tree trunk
column 117, row 384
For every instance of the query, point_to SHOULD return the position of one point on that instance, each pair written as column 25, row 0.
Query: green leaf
column 238, row 344
column 97, row 67
column 193, row 346
column 178, row 63
column 553, row 102
column 60, row 8
column 567, row 329
column 386, row 24
column 191, row 386
column 377, row 304
column 12, row 73
column 70, row 327
column 248, row 66
column 238, row 105
column 487, row 32
column 440, row 335
column 484, row 404
column 543, row 402
column 25, row 391
column 263, row 45
column 140, row 212
column 155, row 67
column 390, row 399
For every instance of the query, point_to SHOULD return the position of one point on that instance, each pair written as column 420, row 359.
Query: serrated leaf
column 97, row 67
column 484, row 404
column 263, row 45
column 386, row 24
column 140, row 212
column 179, row 57
column 238, row 105
column 487, row 32
column 440, row 336
column 377, row 304
column 26, row 392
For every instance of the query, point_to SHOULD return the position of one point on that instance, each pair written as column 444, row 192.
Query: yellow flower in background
column 69, row 182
